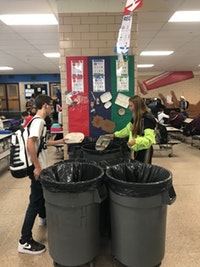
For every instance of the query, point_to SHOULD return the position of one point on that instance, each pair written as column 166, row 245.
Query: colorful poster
column 98, row 74
column 77, row 76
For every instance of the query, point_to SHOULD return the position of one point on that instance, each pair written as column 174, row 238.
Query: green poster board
column 122, row 87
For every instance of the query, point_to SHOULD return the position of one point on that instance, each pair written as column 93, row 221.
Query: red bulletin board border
column 78, row 115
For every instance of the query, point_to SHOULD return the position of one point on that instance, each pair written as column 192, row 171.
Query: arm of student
column 124, row 132
column 144, row 142
column 52, row 142
column 33, row 155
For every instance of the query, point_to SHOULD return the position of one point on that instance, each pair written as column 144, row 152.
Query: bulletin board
column 36, row 89
column 99, row 93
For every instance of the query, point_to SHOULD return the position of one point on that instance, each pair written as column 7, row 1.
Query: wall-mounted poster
column 77, row 76
column 98, row 74
column 122, row 76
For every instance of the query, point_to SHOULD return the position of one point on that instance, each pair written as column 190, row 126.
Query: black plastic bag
column 137, row 179
column 71, row 176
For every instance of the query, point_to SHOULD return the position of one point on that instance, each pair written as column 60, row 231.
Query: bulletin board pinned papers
column 122, row 100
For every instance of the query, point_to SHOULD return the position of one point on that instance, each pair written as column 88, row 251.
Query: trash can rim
column 133, row 183
column 143, row 184
column 78, row 182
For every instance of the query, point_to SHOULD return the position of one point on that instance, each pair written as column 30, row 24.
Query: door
column 3, row 105
column 54, row 87
column 13, row 97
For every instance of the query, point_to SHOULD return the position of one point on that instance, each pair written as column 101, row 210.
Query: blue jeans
column 36, row 206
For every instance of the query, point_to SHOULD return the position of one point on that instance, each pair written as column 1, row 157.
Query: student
column 141, row 130
column 26, row 118
column 183, row 104
column 176, row 119
column 33, row 111
column 162, row 117
column 27, row 244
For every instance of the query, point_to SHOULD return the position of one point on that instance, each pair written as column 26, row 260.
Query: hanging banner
column 132, row 5
column 124, row 35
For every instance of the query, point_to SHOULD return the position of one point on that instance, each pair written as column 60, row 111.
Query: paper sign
column 122, row 100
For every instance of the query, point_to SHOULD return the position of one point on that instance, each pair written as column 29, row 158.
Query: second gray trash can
column 139, row 195
column 73, row 192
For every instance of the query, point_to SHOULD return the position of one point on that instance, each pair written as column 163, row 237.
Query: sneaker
column 42, row 221
column 31, row 247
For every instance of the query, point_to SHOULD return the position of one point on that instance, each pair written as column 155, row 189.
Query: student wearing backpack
column 44, row 105
column 140, row 130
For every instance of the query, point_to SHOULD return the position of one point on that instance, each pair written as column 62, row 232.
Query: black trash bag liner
column 90, row 148
column 121, row 141
column 105, row 164
column 137, row 179
column 89, row 139
column 74, row 149
column 71, row 176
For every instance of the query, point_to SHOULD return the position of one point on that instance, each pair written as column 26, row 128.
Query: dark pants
column 36, row 206
column 144, row 155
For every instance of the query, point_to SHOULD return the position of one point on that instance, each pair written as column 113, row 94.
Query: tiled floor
column 183, row 217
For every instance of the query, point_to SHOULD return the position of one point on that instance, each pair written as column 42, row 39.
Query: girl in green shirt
column 140, row 130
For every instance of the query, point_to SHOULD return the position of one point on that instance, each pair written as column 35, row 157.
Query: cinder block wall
column 89, row 34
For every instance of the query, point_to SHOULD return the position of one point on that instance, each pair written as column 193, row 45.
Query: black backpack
column 161, row 134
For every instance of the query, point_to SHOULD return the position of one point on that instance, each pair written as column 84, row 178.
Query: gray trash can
column 112, row 155
column 139, row 195
column 73, row 192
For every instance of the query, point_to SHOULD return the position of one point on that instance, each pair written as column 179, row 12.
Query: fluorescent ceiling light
column 145, row 65
column 156, row 53
column 51, row 54
column 29, row 19
column 5, row 68
column 185, row 16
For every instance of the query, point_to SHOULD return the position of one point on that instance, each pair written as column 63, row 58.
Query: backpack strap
column 42, row 137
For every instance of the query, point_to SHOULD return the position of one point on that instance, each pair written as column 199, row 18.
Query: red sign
column 166, row 78
column 132, row 5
